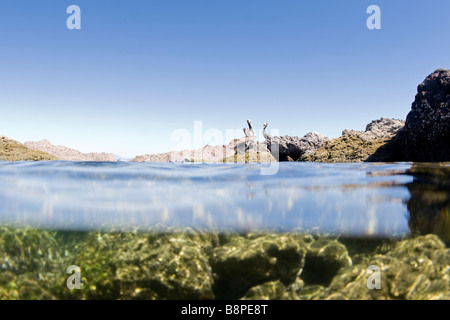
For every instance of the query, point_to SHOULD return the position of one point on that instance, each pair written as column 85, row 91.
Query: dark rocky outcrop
column 292, row 148
column 426, row 136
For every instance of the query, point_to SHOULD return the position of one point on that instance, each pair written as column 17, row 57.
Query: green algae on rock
column 146, row 266
column 30, row 261
column 27, row 250
column 193, row 264
column 11, row 150
column 351, row 148
column 246, row 262
column 23, row 287
column 325, row 257
column 414, row 269
column 377, row 143
column 272, row 290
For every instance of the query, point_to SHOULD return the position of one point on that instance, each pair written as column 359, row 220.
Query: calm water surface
column 349, row 199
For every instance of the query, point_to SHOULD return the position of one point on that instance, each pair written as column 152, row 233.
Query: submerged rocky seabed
column 192, row 264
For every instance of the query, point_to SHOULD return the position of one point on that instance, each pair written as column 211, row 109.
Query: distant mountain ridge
column 67, row 154
column 207, row 153
column 11, row 150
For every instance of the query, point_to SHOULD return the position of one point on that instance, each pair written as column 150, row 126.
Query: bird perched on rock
column 266, row 135
column 249, row 132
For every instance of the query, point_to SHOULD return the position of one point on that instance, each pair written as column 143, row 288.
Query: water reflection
column 429, row 205
column 364, row 200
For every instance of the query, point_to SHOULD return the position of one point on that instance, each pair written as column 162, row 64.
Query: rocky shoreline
column 424, row 136
column 371, row 145
column 192, row 264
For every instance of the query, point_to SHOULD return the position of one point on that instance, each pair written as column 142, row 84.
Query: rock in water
column 324, row 259
column 426, row 136
column 243, row 263
column 141, row 266
column 412, row 269
column 377, row 144
column 294, row 147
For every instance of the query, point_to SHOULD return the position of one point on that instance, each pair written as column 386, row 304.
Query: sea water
column 349, row 199
column 117, row 230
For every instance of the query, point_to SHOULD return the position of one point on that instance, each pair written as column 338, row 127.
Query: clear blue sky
column 138, row 70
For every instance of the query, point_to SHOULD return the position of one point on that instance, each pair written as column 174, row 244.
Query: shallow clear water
column 348, row 199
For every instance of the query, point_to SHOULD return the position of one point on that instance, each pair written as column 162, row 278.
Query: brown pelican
column 266, row 135
column 249, row 132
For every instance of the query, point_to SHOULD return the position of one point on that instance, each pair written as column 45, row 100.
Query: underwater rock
column 22, row 287
column 146, row 266
column 8, row 286
column 273, row 290
column 243, row 263
column 28, row 250
column 426, row 134
column 308, row 292
column 168, row 267
column 30, row 261
column 323, row 260
column 410, row 269
column 188, row 264
column 95, row 255
column 30, row 288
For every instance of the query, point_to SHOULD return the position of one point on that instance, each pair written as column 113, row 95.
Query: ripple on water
column 353, row 199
